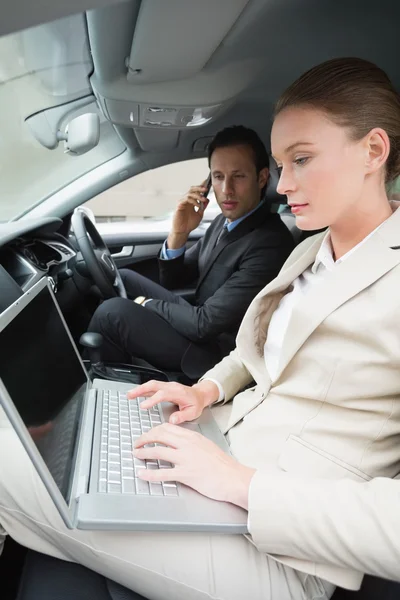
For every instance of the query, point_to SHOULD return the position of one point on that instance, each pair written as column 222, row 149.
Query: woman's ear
column 377, row 146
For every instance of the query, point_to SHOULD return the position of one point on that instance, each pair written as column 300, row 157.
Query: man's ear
column 377, row 146
column 263, row 177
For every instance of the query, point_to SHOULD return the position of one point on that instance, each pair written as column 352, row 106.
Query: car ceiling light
column 176, row 117
column 158, row 123
column 158, row 109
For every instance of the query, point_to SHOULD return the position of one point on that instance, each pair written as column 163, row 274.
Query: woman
column 323, row 418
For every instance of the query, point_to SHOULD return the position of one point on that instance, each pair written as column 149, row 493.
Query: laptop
column 85, row 459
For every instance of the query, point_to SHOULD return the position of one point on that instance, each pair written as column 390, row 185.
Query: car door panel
column 139, row 250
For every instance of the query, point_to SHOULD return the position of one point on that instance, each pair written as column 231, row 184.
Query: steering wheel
column 97, row 256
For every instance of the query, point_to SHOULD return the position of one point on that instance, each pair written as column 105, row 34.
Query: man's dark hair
column 238, row 135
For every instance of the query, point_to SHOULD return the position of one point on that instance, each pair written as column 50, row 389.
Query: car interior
column 95, row 92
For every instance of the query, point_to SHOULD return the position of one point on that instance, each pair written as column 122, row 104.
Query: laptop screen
column 45, row 380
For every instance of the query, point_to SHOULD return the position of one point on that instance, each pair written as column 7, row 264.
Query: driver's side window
column 149, row 195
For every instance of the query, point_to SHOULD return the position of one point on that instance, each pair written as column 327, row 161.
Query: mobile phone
column 207, row 185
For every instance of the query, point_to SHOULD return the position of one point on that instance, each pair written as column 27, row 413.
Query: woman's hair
column 355, row 94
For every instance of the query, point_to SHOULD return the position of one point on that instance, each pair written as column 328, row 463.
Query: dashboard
column 27, row 261
column 30, row 250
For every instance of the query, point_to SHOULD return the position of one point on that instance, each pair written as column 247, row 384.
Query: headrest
column 271, row 195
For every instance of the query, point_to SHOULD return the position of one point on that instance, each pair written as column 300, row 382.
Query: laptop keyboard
column 123, row 421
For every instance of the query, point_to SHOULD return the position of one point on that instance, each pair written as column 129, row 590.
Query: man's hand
column 199, row 463
column 191, row 401
column 187, row 216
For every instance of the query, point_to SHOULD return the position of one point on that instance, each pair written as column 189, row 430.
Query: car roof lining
column 186, row 37
column 266, row 47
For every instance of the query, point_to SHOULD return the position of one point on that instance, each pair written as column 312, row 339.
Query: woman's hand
column 191, row 401
column 199, row 463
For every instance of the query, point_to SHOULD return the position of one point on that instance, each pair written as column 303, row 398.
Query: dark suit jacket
column 227, row 277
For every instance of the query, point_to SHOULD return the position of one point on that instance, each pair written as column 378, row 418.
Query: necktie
column 222, row 235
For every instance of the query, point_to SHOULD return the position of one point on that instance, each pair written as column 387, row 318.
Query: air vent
column 41, row 254
column 63, row 249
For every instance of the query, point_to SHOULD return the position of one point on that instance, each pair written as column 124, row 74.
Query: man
column 242, row 250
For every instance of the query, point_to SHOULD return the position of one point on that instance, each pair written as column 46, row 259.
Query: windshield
column 40, row 68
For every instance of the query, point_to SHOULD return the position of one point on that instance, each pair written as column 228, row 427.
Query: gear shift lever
column 93, row 342
column 132, row 374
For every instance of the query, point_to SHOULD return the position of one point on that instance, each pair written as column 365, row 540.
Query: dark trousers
column 130, row 330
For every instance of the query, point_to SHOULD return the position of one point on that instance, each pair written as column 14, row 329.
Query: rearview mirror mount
column 81, row 134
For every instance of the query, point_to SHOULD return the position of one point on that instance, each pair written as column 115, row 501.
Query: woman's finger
column 167, row 434
column 156, row 453
column 157, row 475
column 170, row 394
column 147, row 389
column 187, row 413
column 157, row 398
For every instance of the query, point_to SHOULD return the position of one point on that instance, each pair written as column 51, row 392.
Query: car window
column 41, row 68
column 153, row 194
column 394, row 189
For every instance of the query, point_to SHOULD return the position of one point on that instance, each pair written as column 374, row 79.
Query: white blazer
column 330, row 420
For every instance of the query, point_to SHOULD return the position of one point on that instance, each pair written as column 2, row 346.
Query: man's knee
column 111, row 314
column 133, row 282
column 125, row 273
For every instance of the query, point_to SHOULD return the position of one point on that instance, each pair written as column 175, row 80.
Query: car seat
column 48, row 578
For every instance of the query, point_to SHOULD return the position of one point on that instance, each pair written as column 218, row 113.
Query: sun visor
column 157, row 71
column 174, row 40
